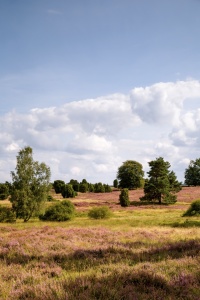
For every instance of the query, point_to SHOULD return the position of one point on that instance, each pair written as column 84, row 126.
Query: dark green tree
column 4, row 191
column 75, row 184
column 68, row 191
column 162, row 184
column 124, row 198
column 130, row 175
column 58, row 185
column 115, row 183
column 192, row 173
column 30, row 185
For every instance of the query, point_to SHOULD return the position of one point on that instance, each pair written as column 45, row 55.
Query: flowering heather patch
column 51, row 262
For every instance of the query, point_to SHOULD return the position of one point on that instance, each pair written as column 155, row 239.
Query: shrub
column 68, row 191
column 7, row 215
column 102, row 212
column 193, row 210
column 62, row 211
column 124, row 198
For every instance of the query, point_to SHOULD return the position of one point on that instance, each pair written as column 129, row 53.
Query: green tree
column 162, row 184
column 68, row 191
column 30, row 185
column 58, row 185
column 75, row 184
column 130, row 175
column 192, row 173
column 124, row 197
column 115, row 183
column 4, row 191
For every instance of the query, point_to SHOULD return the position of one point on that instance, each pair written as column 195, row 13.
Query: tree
column 68, row 191
column 58, row 185
column 4, row 191
column 130, row 175
column 124, row 198
column 115, row 183
column 162, row 184
column 31, row 183
column 192, row 173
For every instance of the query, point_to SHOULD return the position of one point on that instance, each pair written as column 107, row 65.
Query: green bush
column 124, row 198
column 68, row 191
column 193, row 210
column 7, row 215
column 62, row 211
column 102, row 212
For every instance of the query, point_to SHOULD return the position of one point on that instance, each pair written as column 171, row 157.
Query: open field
column 142, row 252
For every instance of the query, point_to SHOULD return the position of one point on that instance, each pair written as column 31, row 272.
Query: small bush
column 193, row 210
column 7, row 215
column 124, row 198
column 62, row 211
column 102, row 212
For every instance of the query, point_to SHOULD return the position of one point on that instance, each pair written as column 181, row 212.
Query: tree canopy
column 30, row 185
column 192, row 173
column 130, row 175
column 162, row 184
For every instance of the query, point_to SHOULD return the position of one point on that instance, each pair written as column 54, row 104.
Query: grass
column 140, row 253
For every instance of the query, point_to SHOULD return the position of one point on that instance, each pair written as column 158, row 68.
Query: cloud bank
column 91, row 138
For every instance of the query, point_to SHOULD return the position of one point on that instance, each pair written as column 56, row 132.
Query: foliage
column 83, row 187
column 193, row 210
column 4, row 191
column 124, row 198
column 192, row 173
column 7, row 215
column 58, row 185
column 115, row 183
column 68, row 191
column 30, row 185
column 130, row 175
column 107, row 188
column 62, row 211
column 102, row 212
column 75, row 184
column 162, row 184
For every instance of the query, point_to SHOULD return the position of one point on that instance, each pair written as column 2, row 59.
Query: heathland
column 142, row 252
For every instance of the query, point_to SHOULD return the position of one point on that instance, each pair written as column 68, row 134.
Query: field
column 143, row 252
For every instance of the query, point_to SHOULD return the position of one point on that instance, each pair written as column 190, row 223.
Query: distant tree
column 83, row 187
column 4, row 191
column 30, row 185
column 107, row 188
column 124, row 197
column 68, row 191
column 58, row 185
column 75, row 184
column 91, row 187
column 99, row 188
column 192, row 173
column 162, row 184
column 115, row 183
column 130, row 175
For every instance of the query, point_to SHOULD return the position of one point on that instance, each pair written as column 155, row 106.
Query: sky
column 90, row 84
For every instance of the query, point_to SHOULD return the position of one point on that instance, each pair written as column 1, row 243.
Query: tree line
column 31, row 183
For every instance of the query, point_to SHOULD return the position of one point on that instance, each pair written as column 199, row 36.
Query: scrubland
column 141, row 252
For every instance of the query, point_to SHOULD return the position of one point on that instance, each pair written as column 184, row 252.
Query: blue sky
column 90, row 84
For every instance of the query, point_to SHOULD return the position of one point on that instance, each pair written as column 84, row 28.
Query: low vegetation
column 102, row 212
column 193, row 210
